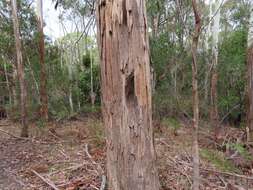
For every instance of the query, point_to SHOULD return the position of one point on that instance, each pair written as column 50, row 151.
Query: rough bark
column 43, row 84
column 21, row 73
column 214, row 116
column 126, row 94
column 195, row 95
column 250, row 94
column 249, row 103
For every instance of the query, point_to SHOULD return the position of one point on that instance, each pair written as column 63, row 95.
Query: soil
column 71, row 156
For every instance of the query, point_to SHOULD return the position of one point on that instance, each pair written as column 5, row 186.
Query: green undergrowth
column 241, row 150
column 171, row 123
column 218, row 159
column 96, row 131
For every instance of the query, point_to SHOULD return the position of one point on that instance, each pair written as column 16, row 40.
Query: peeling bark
column 126, row 94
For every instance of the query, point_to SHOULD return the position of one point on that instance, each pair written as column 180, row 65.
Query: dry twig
column 47, row 181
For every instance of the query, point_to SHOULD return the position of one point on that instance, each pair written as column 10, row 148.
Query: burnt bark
column 126, row 94
column 21, row 72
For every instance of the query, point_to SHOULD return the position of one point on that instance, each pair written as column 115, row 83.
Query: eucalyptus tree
column 214, row 116
column 126, row 94
column 195, row 94
column 250, row 78
column 21, row 72
column 43, row 77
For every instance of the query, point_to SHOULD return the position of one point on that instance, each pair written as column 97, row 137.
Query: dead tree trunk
column 126, row 94
column 43, row 85
column 195, row 95
column 21, row 73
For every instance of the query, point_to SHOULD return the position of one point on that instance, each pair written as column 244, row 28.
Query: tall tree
column 207, row 46
column 250, row 79
column 195, row 95
column 214, row 73
column 21, row 72
column 126, row 94
column 43, row 85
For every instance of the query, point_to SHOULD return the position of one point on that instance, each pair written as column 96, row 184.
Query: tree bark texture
column 126, row 94
column 195, row 95
column 250, row 94
column 249, row 103
column 21, row 72
column 43, row 78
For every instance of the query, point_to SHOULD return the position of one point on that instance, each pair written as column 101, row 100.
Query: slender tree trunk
column 7, row 83
column 21, row 72
column 207, row 59
column 43, row 84
column 249, row 104
column 126, row 94
column 92, row 94
column 195, row 95
column 71, row 101
column 13, row 86
column 214, row 116
column 33, row 76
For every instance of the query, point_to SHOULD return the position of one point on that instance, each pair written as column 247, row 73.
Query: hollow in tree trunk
column 126, row 94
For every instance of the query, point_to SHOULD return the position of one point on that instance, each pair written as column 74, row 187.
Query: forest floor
column 70, row 155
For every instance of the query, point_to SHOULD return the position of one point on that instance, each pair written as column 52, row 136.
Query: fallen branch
column 4, row 125
column 215, row 171
column 7, row 133
column 102, row 187
column 228, row 173
column 47, row 181
column 90, row 157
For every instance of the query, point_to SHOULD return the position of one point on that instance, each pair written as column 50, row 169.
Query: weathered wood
column 126, row 94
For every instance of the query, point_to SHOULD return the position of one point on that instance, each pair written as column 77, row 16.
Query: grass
column 171, row 122
column 219, row 160
column 241, row 150
column 96, row 130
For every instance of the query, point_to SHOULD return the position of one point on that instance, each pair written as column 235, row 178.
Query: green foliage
column 219, row 160
column 232, row 70
column 241, row 150
column 96, row 131
column 171, row 122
